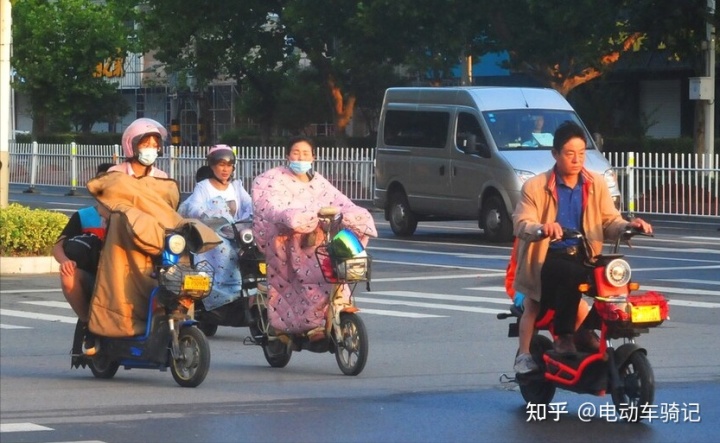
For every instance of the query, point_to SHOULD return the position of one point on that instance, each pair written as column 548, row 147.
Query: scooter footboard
column 151, row 348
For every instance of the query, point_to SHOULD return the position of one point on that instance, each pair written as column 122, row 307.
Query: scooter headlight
column 247, row 236
column 176, row 243
column 618, row 273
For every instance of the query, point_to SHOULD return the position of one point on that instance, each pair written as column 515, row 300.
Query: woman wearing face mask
column 142, row 143
column 220, row 198
column 286, row 200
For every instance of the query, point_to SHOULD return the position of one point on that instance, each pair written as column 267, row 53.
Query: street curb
column 28, row 265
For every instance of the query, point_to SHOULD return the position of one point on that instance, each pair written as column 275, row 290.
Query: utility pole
column 710, row 72
column 5, row 91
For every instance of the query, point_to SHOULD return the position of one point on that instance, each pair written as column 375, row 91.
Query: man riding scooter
column 549, row 270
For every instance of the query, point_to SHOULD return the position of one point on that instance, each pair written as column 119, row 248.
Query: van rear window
column 424, row 129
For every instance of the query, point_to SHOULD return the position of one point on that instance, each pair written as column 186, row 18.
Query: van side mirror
column 468, row 143
column 598, row 138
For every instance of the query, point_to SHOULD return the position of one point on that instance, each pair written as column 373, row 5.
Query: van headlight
column 524, row 175
column 610, row 179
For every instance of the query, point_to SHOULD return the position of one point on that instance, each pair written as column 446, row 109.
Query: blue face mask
column 299, row 167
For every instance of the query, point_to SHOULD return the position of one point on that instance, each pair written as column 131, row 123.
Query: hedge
column 29, row 232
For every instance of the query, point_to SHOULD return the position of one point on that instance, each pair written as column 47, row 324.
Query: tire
column 637, row 387
column 277, row 353
column 402, row 220
column 103, row 367
column 209, row 329
column 538, row 391
column 353, row 346
column 495, row 220
column 192, row 365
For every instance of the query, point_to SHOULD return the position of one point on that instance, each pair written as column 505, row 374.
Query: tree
column 56, row 49
column 565, row 43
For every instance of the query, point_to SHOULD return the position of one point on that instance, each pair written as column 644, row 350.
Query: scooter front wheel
column 191, row 366
column 637, row 387
column 352, row 345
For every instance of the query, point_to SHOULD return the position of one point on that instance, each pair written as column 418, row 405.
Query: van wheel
column 402, row 221
column 495, row 221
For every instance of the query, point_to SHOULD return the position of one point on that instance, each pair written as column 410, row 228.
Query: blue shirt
column 569, row 210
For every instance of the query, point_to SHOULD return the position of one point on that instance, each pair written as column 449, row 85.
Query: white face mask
column 147, row 156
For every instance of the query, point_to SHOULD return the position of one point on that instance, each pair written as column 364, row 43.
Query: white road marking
column 37, row 316
column 430, row 305
column 4, row 326
column 398, row 314
column 49, row 304
column 22, row 427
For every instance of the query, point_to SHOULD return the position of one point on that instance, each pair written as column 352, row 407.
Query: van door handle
column 442, row 170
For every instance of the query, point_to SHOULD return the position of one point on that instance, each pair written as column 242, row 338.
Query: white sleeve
column 244, row 202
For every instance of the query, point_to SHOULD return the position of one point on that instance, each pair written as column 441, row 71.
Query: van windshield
column 528, row 129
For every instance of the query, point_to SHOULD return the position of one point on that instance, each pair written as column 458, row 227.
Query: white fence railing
column 677, row 184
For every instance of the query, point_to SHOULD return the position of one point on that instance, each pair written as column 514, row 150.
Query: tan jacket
column 140, row 212
column 538, row 205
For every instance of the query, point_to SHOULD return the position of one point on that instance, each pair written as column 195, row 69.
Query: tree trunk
column 699, row 129
column 343, row 108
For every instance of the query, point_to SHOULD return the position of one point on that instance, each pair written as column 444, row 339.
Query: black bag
column 84, row 249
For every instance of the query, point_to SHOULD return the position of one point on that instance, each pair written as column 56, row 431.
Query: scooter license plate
column 196, row 283
column 645, row 314
column 262, row 267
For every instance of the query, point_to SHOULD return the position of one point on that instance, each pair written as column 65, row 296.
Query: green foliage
column 29, row 232
column 56, row 49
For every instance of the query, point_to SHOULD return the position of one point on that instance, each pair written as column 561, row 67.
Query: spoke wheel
column 538, row 391
column 352, row 345
column 192, row 365
column 637, row 387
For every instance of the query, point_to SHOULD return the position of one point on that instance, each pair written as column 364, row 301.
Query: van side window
column 467, row 125
column 424, row 129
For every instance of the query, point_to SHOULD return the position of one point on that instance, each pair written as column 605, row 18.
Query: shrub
column 28, row 232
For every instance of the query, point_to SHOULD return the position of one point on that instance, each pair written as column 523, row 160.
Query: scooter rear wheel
column 353, row 345
column 103, row 367
column 538, row 390
column 192, row 365
column 637, row 387
column 276, row 352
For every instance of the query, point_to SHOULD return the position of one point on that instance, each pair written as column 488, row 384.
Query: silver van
column 463, row 153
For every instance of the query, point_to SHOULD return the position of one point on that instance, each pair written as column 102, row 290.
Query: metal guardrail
column 671, row 184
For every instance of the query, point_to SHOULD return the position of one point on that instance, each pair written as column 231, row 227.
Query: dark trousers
column 560, row 276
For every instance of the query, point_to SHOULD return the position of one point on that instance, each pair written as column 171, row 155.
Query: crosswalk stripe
column 49, row 304
column 398, row 313
column 38, row 316
column 22, row 427
column 4, row 326
column 429, row 305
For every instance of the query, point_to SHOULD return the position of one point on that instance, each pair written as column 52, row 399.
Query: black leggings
column 560, row 276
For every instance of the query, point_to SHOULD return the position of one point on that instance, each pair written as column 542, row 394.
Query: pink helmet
column 139, row 129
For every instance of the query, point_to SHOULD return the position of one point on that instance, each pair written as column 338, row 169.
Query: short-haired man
column 550, row 269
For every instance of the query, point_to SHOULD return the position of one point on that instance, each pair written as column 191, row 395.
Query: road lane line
column 398, row 313
column 37, row 316
column 22, row 427
column 49, row 304
column 430, row 305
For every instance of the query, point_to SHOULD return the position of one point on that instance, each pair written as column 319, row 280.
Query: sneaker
column 90, row 345
column 524, row 364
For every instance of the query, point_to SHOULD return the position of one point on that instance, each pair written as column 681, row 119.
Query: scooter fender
column 625, row 351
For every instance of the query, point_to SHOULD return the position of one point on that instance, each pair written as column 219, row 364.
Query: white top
column 206, row 201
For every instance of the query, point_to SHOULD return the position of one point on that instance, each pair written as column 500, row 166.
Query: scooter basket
column 346, row 270
column 183, row 280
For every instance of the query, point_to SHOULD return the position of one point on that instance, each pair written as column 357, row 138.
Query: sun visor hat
column 345, row 245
